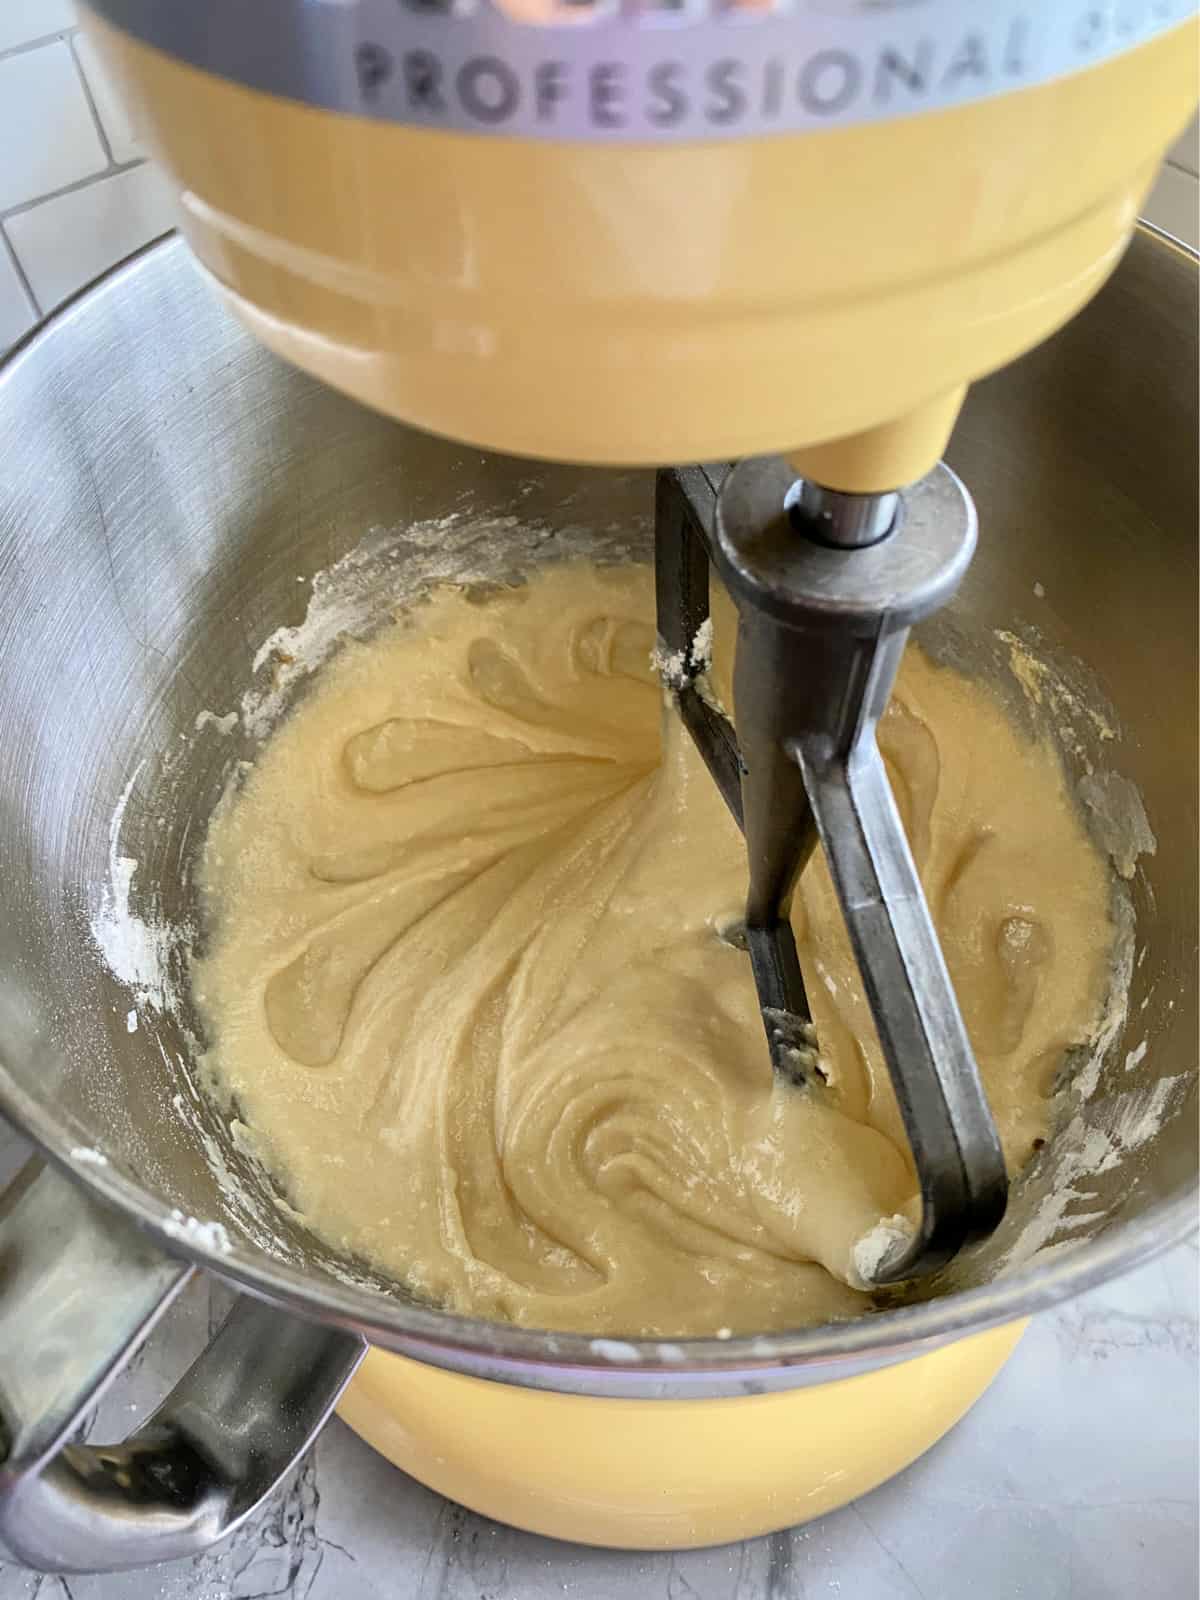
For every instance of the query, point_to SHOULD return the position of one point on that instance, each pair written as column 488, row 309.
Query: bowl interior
column 169, row 493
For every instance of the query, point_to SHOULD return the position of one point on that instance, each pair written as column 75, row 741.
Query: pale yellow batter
column 467, row 987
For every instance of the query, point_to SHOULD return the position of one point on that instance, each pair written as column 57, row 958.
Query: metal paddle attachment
column 826, row 587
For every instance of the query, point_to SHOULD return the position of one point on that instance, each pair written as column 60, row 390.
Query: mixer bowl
column 168, row 491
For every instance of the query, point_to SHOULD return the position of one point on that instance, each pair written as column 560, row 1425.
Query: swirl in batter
column 467, row 986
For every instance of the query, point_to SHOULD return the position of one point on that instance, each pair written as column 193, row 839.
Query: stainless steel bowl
column 163, row 483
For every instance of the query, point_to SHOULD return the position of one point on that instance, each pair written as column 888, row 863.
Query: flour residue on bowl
column 1047, row 687
column 136, row 948
column 1096, row 1133
column 389, row 572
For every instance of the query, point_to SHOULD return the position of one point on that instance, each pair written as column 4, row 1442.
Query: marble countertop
column 1074, row 1478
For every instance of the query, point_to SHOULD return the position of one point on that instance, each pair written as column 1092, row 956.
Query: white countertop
column 1074, row 1478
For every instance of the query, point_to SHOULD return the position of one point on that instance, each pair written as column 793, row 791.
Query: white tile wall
column 1174, row 202
column 103, row 221
column 17, row 313
column 114, row 119
column 24, row 20
column 76, row 194
column 1174, row 205
column 47, row 132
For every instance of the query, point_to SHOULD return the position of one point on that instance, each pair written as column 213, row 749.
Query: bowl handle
column 80, row 1286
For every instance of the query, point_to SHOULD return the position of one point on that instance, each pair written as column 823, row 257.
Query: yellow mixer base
column 665, row 1474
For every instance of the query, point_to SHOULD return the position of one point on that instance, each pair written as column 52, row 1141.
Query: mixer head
column 826, row 587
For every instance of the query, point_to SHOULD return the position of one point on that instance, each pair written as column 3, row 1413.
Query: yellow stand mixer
column 669, row 231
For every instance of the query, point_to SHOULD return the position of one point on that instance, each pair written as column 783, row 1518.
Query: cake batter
column 468, row 990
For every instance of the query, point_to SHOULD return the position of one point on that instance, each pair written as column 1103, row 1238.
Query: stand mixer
column 874, row 205
column 653, row 234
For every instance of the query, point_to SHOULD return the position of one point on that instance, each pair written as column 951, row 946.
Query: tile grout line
column 22, row 276
column 115, row 171
column 36, row 44
column 92, row 107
